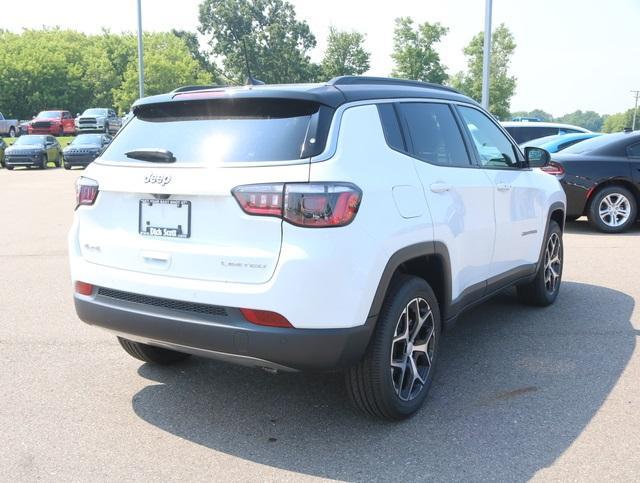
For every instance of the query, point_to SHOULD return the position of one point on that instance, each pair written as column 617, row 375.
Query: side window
column 434, row 134
column 391, row 127
column 494, row 148
column 633, row 151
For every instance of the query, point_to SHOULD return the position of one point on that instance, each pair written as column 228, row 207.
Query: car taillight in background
column 86, row 191
column 317, row 205
column 553, row 168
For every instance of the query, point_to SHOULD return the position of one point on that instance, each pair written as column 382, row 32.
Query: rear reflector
column 86, row 191
column 316, row 205
column 84, row 288
column 264, row 317
column 553, row 168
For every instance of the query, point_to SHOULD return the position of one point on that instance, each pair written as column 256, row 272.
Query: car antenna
column 251, row 81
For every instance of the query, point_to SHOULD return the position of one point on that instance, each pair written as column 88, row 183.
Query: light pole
column 486, row 56
column 635, row 110
column 140, row 51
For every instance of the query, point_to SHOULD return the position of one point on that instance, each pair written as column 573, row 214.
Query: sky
column 571, row 54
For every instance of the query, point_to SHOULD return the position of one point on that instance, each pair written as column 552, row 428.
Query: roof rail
column 385, row 81
column 195, row 88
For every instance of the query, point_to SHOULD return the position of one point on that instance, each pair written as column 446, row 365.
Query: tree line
column 54, row 68
column 588, row 119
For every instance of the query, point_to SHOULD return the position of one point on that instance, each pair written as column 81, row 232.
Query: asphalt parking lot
column 521, row 393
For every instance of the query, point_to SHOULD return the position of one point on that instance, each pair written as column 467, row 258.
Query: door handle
column 440, row 187
column 503, row 187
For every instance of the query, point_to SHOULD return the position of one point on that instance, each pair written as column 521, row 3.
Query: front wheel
column 544, row 288
column 394, row 376
column 43, row 162
column 67, row 165
column 613, row 209
column 12, row 132
column 149, row 353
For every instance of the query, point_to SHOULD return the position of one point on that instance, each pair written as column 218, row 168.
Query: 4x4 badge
column 157, row 179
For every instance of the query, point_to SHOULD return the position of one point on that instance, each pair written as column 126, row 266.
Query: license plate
column 168, row 218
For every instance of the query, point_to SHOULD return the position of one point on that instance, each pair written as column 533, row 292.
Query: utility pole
column 140, row 51
column 486, row 56
column 635, row 109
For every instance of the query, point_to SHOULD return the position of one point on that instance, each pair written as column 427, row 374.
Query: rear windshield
column 219, row 131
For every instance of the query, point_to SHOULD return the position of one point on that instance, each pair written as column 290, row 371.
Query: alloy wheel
column 552, row 263
column 412, row 349
column 614, row 210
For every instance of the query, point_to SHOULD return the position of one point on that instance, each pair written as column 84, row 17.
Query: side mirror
column 536, row 157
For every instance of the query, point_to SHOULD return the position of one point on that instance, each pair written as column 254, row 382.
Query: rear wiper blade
column 154, row 155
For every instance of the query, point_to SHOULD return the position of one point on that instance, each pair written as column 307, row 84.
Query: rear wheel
column 393, row 378
column 613, row 209
column 151, row 354
column 544, row 288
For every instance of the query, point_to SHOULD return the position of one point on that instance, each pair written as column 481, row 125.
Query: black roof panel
column 334, row 93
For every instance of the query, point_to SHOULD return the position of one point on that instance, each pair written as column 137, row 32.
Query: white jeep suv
column 312, row 227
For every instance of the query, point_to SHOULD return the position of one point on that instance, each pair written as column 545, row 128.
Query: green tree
column 618, row 122
column 345, row 54
column 414, row 51
column 53, row 68
column 587, row 119
column 193, row 45
column 277, row 43
column 502, row 85
column 167, row 64
column 538, row 113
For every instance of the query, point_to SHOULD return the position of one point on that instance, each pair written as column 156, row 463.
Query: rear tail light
column 86, row 191
column 84, row 288
column 316, row 205
column 553, row 168
column 264, row 317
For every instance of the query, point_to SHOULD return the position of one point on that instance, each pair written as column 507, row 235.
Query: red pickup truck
column 56, row 123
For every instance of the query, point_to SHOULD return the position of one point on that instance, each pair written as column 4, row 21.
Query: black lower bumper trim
column 297, row 349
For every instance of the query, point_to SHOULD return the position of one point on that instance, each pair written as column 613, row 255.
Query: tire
column 153, row 355
column 12, row 132
column 58, row 161
column 379, row 384
column 10, row 168
column 544, row 288
column 67, row 166
column 613, row 209
column 43, row 162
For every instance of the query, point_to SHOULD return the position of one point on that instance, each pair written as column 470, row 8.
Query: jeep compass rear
column 288, row 228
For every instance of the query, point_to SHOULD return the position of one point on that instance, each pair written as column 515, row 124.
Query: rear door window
column 433, row 134
column 223, row 131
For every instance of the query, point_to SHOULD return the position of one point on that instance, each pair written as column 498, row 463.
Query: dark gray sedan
column 84, row 149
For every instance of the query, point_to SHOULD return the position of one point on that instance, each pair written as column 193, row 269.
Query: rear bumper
column 227, row 337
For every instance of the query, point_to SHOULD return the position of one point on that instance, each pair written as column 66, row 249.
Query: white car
column 523, row 131
column 312, row 227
